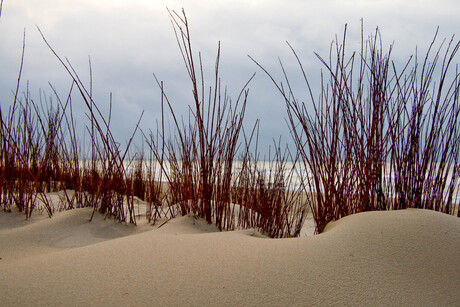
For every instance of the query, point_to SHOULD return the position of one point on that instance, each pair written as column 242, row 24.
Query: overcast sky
column 129, row 40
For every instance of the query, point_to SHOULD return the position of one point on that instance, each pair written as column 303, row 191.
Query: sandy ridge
column 407, row 257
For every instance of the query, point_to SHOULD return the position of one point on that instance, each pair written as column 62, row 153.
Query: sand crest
column 407, row 257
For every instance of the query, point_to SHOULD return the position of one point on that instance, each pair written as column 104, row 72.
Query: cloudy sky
column 129, row 40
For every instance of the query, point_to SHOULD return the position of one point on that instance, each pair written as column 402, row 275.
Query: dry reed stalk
column 156, row 191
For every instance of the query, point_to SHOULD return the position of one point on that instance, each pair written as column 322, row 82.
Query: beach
column 154, row 185
column 405, row 257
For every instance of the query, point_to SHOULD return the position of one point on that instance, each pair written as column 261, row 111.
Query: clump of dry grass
column 425, row 155
column 22, row 159
column 40, row 154
column 270, row 198
column 198, row 161
column 369, row 113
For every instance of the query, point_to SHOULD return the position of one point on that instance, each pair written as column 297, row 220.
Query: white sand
column 408, row 257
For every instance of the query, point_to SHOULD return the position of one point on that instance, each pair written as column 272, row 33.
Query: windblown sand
column 409, row 257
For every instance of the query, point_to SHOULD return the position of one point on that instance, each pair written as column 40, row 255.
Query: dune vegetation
column 376, row 136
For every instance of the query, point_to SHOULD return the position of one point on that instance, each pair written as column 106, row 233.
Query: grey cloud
column 130, row 40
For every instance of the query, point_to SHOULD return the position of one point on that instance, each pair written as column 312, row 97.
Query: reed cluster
column 40, row 153
column 197, row 161
column 378, row 137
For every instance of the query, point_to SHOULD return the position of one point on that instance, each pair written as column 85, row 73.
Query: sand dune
column 407, row 257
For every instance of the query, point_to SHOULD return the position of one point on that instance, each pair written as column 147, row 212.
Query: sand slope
column 408, row 257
